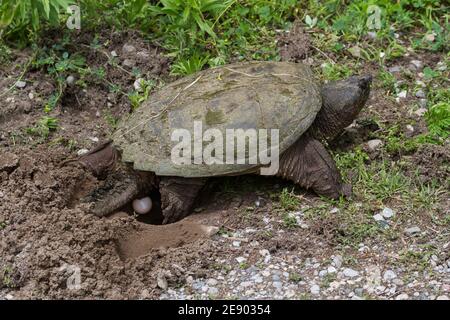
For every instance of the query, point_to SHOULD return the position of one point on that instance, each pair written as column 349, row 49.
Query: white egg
column 142, row 206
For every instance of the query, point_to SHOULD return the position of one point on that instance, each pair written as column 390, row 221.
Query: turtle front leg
column 308, row 164
column 178, row 196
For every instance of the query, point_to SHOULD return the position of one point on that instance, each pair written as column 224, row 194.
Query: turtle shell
column 250, row 95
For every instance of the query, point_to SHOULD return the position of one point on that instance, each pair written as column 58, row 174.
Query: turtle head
column 341, row 102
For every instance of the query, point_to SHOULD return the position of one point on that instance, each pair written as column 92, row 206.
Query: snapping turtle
column 251, row 95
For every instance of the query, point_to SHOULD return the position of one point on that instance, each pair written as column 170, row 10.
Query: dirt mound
column 295, row 44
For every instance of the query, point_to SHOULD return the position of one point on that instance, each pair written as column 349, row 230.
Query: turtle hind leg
column 178, row 196
column 118, row 189
column 308, row 164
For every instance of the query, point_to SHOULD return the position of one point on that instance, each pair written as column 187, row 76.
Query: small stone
column 211, row 282
column 430, row 37
column 162, row 282
column 402, row 296
column 70, row 80
column 359, row 292
column 129, row 63
column 331, row 269
column 389, row 275
column 94, row 139
column 21, row 84
column 372, row 35
column 31, row 96
column 127, row 48
column 236, row 244
column 420, row 112
column 334, row 210
column 138, row 84
column 264, row 252
column 410, row 128
column 323, row 273
column 443, row 297
column 355, row 51
column 9, row 297
column 387, row 213
column 412, row 231
column 417, row 64
column 374, row 144
column 350, row 273
column 378, row 217
column 315, row 289
column 337, row 261
column 241, row 259
column 420, row 94
column 402, row 94
column 189, row 280
column 114, row 54
column 82, row 151
column 143, row 55
column 277, row 284
column 394, row 69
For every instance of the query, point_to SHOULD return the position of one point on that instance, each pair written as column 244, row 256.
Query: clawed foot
column 116, row 191
column 178, row 196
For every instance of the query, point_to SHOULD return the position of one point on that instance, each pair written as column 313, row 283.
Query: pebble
column 389, row 275
column 213, row 291
column 420, row 94
column 323, row 273
column 241, row 259
column 264, row 252
column 129, row 63
column 337, row 261
column 315, row 289
column 82, row 151
column 70, row 80
column 137, row 84
column 402, row 296
column 162, row 282
column 410, row 128
column 331, row 269
column 374, row 144
column 114, row 54
column 350, row 273
column 127, row 48
column 412, row 231
column 378, row 217
column 387, row 213
column 402, row 94
column 443, row 297
column 394, row 69
column 21, row 84
column 417, row 64
column 211, row 282
column 236, row 244
column 420, row 112
column 31, row 95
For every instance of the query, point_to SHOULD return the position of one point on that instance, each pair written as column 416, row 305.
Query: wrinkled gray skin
column 306, row 162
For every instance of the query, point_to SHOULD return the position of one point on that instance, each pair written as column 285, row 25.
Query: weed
column 288, row 200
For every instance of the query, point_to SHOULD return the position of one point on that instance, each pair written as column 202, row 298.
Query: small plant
column 295, row 277
column 288, row 200
column 19, row 16
column 44, row 127
column 438, row 119
column 289, row 220
column 190, row 65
